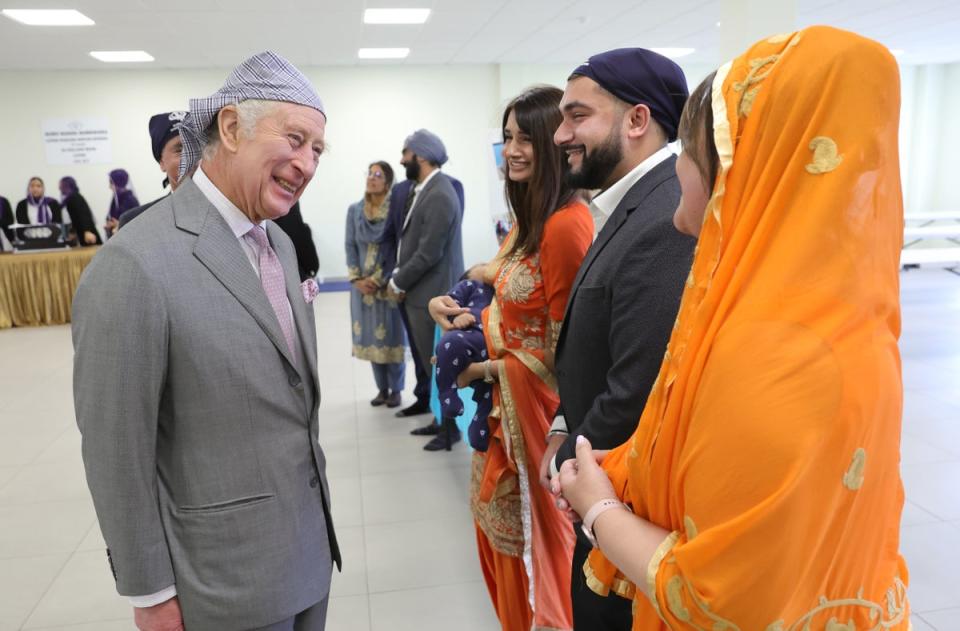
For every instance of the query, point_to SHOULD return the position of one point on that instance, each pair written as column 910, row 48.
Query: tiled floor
column 402, row 514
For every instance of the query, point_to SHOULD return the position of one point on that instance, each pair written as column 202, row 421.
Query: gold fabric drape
column 37, row 289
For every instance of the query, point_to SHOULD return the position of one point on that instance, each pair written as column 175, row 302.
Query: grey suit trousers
column 422, row 327
column 312, row 619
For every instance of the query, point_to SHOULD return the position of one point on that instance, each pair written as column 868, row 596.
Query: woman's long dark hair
column 537, row 111
column 696, row 131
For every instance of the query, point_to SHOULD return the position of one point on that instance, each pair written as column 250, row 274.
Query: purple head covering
column 120, row 179
column 266, row 76
column 68, row 186
column 641, row 77
column 44, row 215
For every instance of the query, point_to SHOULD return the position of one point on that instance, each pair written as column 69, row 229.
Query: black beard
column 597, row 166
column 413, row 170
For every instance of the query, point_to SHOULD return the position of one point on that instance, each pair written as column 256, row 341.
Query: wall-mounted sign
column 77, row 141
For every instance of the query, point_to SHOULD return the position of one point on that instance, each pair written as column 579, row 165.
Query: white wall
column 371, row 110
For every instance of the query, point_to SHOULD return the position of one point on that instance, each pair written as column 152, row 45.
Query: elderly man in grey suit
column 620, row 109
column 195, row 377
column 430, row 254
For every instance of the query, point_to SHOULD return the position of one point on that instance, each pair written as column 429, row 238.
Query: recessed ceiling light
column 383, row 53
column 674, row 53
column 395, row 16
column 48, row 17
column 896, row 52
column 121, row 56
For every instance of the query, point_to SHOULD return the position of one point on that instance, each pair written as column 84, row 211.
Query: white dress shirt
column 406, row 220
column 606, row 202
column 239, row 224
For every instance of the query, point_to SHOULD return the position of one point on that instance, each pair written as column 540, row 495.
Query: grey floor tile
column 347, row 503
column 426, row 553
column 943, row 620
column 48, row 482
column 23, row 582
column 352, row 581
column 389, row 455
column 464, row 606
column 83, row 592
column 933, row 487
column 932, row 552
column 46, row 528
column 348, row 613
column 413, row 495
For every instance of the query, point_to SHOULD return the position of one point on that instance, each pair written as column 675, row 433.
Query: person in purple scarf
column 123, row 199
column 81, row 217
column 36, row 207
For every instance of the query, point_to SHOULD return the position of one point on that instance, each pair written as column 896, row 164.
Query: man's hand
column 464, row 321
column 163, row 617
column 553, row 446
column 89, row 238
column 112, row 225
column 442, row 307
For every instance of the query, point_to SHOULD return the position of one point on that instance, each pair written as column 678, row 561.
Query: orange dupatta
column 770, row 442
column 516, row 516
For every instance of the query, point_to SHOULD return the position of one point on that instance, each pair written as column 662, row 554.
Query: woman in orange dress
column 525, row 543
column 762, row 483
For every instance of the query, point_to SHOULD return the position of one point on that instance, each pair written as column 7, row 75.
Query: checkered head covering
column 266, row 76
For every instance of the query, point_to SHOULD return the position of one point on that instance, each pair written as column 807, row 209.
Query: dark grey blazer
column 431, row 244
column 620, row 314
column 200, row 429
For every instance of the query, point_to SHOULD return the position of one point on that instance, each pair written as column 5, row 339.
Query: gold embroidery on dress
column 778, row 39
column 754, row 76
column 380, row 332
column 353, row 273
column 520, row 285
column 553, row 333
column 776, row 626
column 826, row 156
column 379, row 354
column 675, row 599
column 368, row 299
column 371, row 260
column 896, row 609
column 853, row 478
column 689, row 527
column 499, row 519
column 357, row 329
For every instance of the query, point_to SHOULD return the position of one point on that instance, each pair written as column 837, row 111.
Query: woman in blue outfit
column 377, row 327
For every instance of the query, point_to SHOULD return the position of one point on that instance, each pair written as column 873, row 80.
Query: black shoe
column 427, row 430
column 393, row 401
column 380, row 399
column 414, row 410
column 446, row 438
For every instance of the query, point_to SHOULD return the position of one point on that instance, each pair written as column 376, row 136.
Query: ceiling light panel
column 121, row 56
column 48, row 17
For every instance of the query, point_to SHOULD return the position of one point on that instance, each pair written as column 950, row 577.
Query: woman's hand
column 112, row 225
column 582, row 482
column 441, row 308
column 365, row 286
column 89, row 238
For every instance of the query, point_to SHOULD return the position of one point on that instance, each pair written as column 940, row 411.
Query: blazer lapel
column 218, row 250
column 418, row 199
column 301, row 318
column 630, row 202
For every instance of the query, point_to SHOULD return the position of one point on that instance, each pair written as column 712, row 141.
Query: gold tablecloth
column 37, row 289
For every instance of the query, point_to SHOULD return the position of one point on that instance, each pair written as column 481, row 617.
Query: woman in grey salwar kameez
column 378, row 335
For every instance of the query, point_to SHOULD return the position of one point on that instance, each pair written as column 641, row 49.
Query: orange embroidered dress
column 525, row 543
column 770, row 442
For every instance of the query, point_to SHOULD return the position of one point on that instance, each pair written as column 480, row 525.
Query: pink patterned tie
column 271, row 277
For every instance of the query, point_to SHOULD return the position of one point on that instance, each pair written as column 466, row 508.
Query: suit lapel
column 418, row 199
column 305, row 329
column 630, row 202
column 219, row 251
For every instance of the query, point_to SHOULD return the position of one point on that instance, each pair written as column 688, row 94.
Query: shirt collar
column 419, row 187
column 239, row 223
column 606, row 202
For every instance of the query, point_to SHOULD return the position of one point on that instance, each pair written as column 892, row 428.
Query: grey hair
column 249, row 113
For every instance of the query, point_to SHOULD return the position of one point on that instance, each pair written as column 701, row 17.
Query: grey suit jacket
column 430, row 260
column 620, row 314
column 200, row 430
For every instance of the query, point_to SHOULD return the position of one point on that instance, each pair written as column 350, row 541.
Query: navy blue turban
column 641, row 77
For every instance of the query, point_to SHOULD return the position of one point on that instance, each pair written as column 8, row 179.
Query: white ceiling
column 219, row 33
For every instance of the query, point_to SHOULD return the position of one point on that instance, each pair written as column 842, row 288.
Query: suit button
column 295, row 380
column 314, row 482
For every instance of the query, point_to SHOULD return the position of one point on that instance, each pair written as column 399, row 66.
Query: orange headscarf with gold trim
column 770, row 441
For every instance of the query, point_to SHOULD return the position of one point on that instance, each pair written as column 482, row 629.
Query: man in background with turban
column 195, row 377
column 620, row 109
column 166, row 145
column 429, row 256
